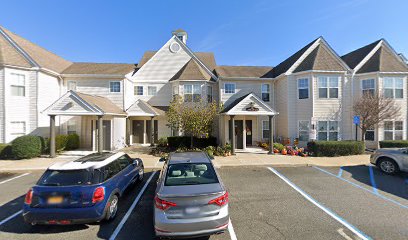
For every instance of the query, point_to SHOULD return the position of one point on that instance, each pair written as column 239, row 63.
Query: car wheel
column 112, row 207
column 388, row 166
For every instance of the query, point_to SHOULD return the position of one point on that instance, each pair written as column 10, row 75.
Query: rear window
column 68, row 178
column 190, row 174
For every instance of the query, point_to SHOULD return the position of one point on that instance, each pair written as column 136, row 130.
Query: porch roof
column 75, row 103
column 142, row 108
column 249, row 104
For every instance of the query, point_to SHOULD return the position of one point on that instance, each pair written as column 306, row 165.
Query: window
column 328, row 130
column 370, row 134
column 190, row 174
column 71, row 85
column 124, row 161
column 17, row 84
column 111, row 170
column 304, row 131
column 393, row 130
column 209, row 94
column 393, row 87
column 328, row 87
column 265, row 92
column 265, row 129
column 114, row 87
column 17, row 128
column 303, row 88
column 229, row 88
column 180, row 37
column 66, row 178
column 138, row 90
column 192, row 93
column 152, row 90
column 368, row 86
column 71, row 127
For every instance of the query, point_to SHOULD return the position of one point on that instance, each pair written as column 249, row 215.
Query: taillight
column 29, row 197
column 98, row 195
column 163, row 204
column 220, row 201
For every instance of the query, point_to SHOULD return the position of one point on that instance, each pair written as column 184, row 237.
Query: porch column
column 100, row 134
column 232, row 134
column 52, row 136
column 270, row 135
column 151, row 131
column 128, row 131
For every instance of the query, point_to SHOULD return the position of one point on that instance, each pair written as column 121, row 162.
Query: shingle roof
column 41, row 56
column 99, row 68
column 101, row 102
column 10, row 55
column 243, row 71
column 191, row 71
column 383, row 61
column 353, row 58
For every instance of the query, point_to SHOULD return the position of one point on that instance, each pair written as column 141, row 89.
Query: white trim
column 270, row 94
column 262, row 103
column 262, row 128
column 308, row 87
column 366, row 79
column 304, row 55
column 120, row 86
column 235, row 88
column 339, row 88
column 95, row 111
column 77, row 75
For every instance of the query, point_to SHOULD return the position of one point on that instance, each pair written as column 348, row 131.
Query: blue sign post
column 356, row 121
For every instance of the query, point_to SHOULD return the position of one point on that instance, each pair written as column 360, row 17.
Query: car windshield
column 190, row 174
column 66, row 178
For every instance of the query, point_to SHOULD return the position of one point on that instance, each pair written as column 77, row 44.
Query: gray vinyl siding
column 281, row 101
column 32, row 98
column 2, row 104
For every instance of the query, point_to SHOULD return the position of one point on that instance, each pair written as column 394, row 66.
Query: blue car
column 82, row 191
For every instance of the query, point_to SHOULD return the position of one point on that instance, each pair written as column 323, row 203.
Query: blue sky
column 257, row 32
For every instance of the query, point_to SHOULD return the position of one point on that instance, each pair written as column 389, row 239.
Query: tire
column 388, row 166
column 111, row 208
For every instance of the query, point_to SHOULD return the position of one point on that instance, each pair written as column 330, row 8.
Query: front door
column 106, row 135
column 137, row 131
column 248, row 130
column 155, row 130
column 239, row 129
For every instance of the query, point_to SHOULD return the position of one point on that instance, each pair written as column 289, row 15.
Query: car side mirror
column 136, row 161
column 163, row 159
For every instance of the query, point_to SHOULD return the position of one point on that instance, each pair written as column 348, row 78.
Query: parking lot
column 265, row 203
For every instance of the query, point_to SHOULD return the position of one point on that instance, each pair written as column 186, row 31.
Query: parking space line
column 340, row 172
column 125, row 218
column 11, row 217
column 362, row 188
column 19, row 176
column 231, row 231
column 356, row 231
column 372, row 180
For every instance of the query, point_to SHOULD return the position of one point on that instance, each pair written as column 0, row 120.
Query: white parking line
column 125, row 218
column 317, row 204
column 231, row 231
column 11, row 217
column 19, row 176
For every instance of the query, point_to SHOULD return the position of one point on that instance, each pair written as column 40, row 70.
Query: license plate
column 55, row 200
column 192, row 210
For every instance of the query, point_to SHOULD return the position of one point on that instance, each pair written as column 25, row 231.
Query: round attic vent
column 175, row 47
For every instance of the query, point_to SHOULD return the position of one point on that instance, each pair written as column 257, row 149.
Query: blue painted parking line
column 362, row 188
column 372, row 180
column 340, row 172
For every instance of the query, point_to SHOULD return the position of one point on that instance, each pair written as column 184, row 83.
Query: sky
column 257, row 32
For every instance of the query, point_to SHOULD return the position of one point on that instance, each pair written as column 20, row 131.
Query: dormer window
column 180, row 37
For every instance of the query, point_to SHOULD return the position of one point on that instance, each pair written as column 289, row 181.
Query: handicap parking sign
column 356, row 120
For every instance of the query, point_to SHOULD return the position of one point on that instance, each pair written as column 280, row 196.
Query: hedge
column 335, row 148
column 5, row 151
column 393, row 144
column 185, row 141
column 72, row 142
column 26, row 147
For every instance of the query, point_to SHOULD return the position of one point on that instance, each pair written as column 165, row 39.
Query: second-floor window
column 393, row 87
column 328, row 87
column 209, row 94
column 229, row 88
column 138, row 90
column 266, row 90
column 328, row 130
column 152, row 90
column 71, row 85
column 17, row 84
column 303, row 88
column 114, row 86
column 192, row 92
column 393, row 130
column 368, row 87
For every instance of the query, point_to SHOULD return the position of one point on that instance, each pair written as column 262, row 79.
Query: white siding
column 118, row 133
column 2, row 114
column 281, row 100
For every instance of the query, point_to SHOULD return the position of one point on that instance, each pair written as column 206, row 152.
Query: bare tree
column 373, row 109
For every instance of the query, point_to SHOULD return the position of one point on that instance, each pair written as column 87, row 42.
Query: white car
column 391, row 160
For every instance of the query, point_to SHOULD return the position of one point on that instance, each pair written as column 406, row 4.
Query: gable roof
column 102, row 103
column 99, row 68
column 31, row 55
column 234, row 103
column 240, row 106
column 191, row 71
column 243, row 71
column 383, row 61
column 355, row 57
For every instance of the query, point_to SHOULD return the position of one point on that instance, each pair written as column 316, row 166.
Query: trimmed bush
column 26, row 147
column 162, row 142
column 393, row 144
column 335, row 148
column 278, row 146
column 61, row 142
column 5, row 151
column 72, row 142
column 184, row 141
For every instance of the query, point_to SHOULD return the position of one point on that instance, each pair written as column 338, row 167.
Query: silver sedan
column 390, row 160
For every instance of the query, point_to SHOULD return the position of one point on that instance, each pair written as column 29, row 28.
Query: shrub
column 393, row 144
column 176, row 142
column 26, row 147
column 72, row 142
column 61, row 142
column 5, row 151
column 278, row 146
column 162, row 142
column 335, row 148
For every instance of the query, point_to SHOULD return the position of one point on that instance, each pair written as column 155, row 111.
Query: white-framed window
column 229, row 88
column 209, row 94
column 71, row 85
column 303, row 131
column 266, row 92
column 327, row 130
column 192, row 92
column 328, row 87
column 138, row 90
column 303, row 88
column 393, row 130
column 114, row 86
column 393, row 87
column 71, row 126
column 17, row 84
column 370, row 134
column 17, row 128
column 265, row 129
column 368, row 87
column 152, row 90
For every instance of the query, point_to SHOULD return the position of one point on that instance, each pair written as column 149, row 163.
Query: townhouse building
column 307, row 96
